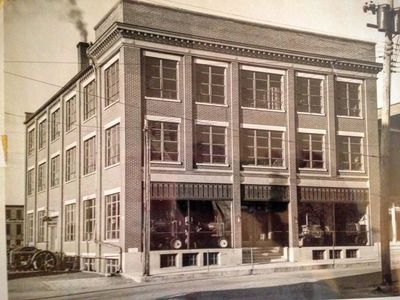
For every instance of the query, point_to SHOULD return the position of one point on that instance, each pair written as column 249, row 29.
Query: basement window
column 210, row 258
column 189, row 259
column 334, row 254
column 167, row 260
column 318, row 254
column 351, row 253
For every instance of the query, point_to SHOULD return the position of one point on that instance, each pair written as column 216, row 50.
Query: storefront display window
column 183, row 224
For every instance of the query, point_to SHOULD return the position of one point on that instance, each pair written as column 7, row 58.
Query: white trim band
column 40, row 162
column 308, row 75
column 87, row 80
column 68, row 96
column 72, row 201
column 351, row 133
column 41, row 208
column 89, row 197
column 162, row 55
column 262, row 127
column 31, row 211
column 311, row 130
column 55, row 154
column 200, row 61
column 112, row 191
column 112, row 123
column 55, row 107
column 70, row 146
column 262, row 69
column 89, row 135
column 163, row 119
column 214, row 123
column 353, row 80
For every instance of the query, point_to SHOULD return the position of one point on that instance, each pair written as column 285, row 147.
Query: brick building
column 14, row 225
column 263, row 144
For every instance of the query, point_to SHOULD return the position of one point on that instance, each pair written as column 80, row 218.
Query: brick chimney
column 83, row 59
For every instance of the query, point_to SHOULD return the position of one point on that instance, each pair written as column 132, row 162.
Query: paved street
column 315, row 284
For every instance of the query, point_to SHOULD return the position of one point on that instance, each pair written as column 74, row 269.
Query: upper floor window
column 70, row 113
column 40, row 226
column 112, row 151
column 55, row 124
column 42, row 134
column 31, row 141
column 161, row 77
column 89, row 219
column 261, row 88
column 210, row 144
column 55, row 171
column 210, row 82
column 111, row 81
column 70, row 226
column 309, row 91
column 19, row 214
column 42, row 177
column 29, row 229
column 8, row 214
column 311, row 151
column 89, row 100
column 262, row 148
column 350, row 153
column 164, row 141
column 89, row 155
column 348, row 98
column 112, row 216
column 30, row 181
column 70, row 164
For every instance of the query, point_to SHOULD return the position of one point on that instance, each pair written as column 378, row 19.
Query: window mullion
column 255, row 149
column 268, row 93
column 349, row 150
column 209, row 84
column 162, row 141
column 269, row 149
column 309, row 94
column 161, row 79
column 254, row 90
column 210, row 140
column 310, row 150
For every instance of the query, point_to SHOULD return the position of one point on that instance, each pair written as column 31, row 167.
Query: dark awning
column 251, row 192
column 329, row 194
column 190, row 191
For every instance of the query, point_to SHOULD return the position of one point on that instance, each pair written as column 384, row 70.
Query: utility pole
column 387, row 22
column 146, row 201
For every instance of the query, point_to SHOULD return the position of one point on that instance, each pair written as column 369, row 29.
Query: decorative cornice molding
column 120, row 30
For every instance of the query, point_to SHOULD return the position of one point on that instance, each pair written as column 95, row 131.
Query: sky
column 40, row 49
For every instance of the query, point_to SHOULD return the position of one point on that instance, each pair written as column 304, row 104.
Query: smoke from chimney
column 75, row 16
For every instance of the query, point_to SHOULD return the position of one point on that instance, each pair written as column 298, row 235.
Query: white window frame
column 42, row 176
column 266, row 70
column 112, row 234
column 85, row 221
column 162, row 143
column 30, row 181
column 70, row 172
column 348, row 134
column 89, row 154
column 42, row 134
column 86, row 117
column 31, row 141
column 111, row 63
column 55, row 170
column 362, row 95
column 41, row 213
column 70, row 221
column 117, row 146
column 321, row 132
column 70, row 124
column 55, row 131
column 178, row 60
column 214, row 124
column 323, row 91
column 212, row 63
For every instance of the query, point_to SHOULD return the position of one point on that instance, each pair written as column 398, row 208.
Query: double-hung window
column 42, row 134
column 70, row 113
column 89, row 155
column 70, row 226
column 309, row 93
column 350, row 153
column 31, row 141
column 42, row 177
column 111, row 81
column 164, row 141
column 89, row 100
column 30, row 182
column 348, row 97
column 210, row 82
column 112, row 152
column 262, row 148
column 40, row 226
column 161, row 79
column 70, row 164
column 55, row 171
column 29, row 228
column 311, row 151
column 55, row 124
column 89, row 219
column 210, row 144
column 112, row 216
column 261, row 88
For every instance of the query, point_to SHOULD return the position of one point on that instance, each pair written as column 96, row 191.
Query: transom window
column 348, row 98
column 89, row 100
column 89, row 219
column 70, row 164
column 261, row 90
column 311, row 151
column 70, row 222
column 350, row 153
column 70, row 113
column 262, row 148
column 89, row 155
column 42, row 134
column 55, row 124
column 112, row 216
column 111, row 81
column 210, row 84
column 55, row 171
column 112, row 145
column 161, row 78
column 211, row 144
column 164, row 141
column 309, row 95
